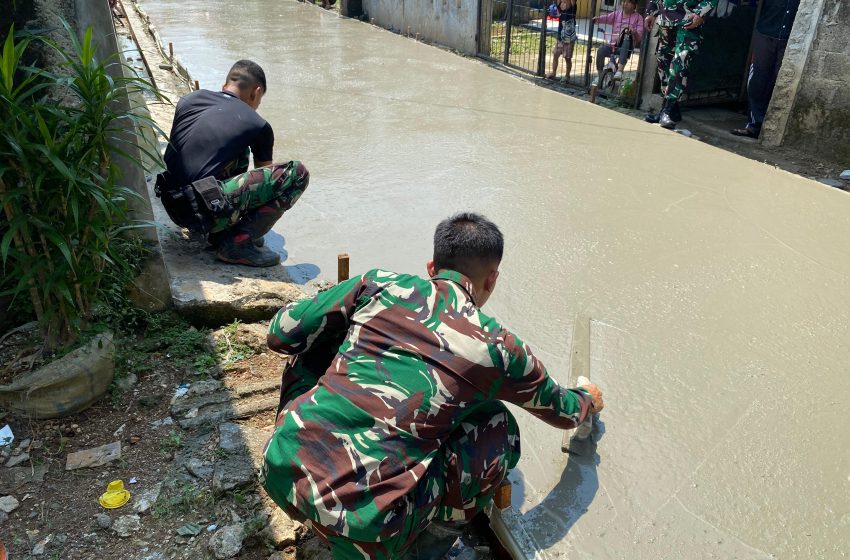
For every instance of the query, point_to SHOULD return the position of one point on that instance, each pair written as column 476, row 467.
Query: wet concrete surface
column 716, row 284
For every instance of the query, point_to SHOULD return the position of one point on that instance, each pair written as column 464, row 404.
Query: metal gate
column 518, row 34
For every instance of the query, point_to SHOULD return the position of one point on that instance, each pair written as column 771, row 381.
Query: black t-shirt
column 566, row 23
column 777, row 17
column 211, row 135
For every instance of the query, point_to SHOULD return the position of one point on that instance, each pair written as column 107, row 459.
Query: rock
column 39, row 548
column 126, row 525
column 154, row 556
column 16, row 460
column 103, row 520
column 227, row 542
column 831, row 182
column 199, row 469
column 14, row 478
column 8, row 504
column 277, row 556
column 167, row 421
column 281, row 530
column 24, row 446
column 314, row 549
column 233, row 473
column 845, row 175
column 126, row 383
column 95, row 457
column 147, row 499
column 205, row 387
column 4, row 517
column 230, row 437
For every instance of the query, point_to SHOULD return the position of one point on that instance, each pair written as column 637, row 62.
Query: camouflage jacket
column 676, row 10
column 417, row 359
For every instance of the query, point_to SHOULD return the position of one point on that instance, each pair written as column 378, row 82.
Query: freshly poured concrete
column 717, row 285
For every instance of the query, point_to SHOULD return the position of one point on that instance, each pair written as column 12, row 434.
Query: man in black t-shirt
column 213, row 135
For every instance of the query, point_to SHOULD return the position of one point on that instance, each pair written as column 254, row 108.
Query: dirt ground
column 61, row 511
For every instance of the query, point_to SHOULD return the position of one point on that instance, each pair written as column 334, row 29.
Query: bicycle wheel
column 607, row 81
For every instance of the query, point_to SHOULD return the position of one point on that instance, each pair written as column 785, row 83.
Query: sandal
column 747, row 132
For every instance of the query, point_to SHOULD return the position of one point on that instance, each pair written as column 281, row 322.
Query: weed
column 188, row 499
column 171, row 443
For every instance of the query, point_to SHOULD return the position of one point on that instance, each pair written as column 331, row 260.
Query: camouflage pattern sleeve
column 527, row 384
column 296, row 327
column 705, row 7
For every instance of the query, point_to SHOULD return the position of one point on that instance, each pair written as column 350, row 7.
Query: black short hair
column 247, row 74
column 467, row 242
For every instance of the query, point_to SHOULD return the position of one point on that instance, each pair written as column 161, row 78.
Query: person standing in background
column 769, row 41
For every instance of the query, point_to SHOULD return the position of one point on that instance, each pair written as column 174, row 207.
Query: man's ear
column 432, row 270
column 490, row 281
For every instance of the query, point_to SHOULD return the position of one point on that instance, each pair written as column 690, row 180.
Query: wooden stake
column 197, row 85
column 171, row 51
column 342, row 267
column 502, row 499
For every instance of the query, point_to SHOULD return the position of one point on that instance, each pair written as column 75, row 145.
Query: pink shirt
column 618, row 20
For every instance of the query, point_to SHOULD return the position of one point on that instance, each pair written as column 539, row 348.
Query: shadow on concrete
column 551, row 520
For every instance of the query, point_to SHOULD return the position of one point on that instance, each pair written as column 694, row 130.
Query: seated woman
column 626, row 34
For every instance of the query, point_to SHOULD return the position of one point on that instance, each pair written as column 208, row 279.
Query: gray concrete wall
column 820, row 119
column 452, row 23
column 151, row 290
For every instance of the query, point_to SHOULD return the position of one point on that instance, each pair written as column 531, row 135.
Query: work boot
column 215, row 239
column 240, row 249
column 666, row 121
column 654, row 118
column 435, row 541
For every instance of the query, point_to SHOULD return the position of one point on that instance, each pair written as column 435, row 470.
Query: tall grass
column 62, row 205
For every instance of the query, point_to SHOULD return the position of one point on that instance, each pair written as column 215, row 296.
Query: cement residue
column 717, row 284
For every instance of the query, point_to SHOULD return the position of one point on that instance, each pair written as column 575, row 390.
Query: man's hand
column 695, row 21
column 649, row 22
column 596, row 396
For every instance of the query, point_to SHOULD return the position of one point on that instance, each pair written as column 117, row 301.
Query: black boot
column 655, row 117
column 240, row 249
column 666, row 120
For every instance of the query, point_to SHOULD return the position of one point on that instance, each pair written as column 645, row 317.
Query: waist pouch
column 195, row 206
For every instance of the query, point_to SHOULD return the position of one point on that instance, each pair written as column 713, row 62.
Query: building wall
column 452, row 23
column 820, row 118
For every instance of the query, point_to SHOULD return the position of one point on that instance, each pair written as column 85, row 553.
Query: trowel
column 577, row 440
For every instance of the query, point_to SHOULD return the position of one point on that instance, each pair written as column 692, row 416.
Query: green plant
column 171, row 443
column 62, row 204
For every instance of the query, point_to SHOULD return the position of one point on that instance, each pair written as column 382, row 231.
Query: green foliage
column 63, row 208
column 171, row 443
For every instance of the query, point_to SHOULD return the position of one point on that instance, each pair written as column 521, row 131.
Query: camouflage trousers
column 459, row 483
column 264, row 191
column 676, row 48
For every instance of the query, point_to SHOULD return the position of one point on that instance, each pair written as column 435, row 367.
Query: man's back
column 418, row 359
column 211, row 135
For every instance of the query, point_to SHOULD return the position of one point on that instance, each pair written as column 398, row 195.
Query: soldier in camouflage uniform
column 213, row 136
column 391, row 424
column 679, row 37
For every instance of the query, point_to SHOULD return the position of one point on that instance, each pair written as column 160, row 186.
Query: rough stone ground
column 193, row 458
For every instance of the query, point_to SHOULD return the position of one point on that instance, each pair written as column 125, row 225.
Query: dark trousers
column 767, row 59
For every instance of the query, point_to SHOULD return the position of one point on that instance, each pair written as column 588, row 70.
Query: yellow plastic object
column 115, row 496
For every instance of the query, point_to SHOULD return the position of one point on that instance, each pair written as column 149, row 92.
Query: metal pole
column 644, row 53
column 508, row 23
column 541, row 55
column 589, row 57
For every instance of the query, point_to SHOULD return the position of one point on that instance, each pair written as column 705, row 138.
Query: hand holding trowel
column 578, row 440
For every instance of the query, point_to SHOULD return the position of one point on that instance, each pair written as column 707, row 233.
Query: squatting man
column 391, row 433
column 207, row 186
